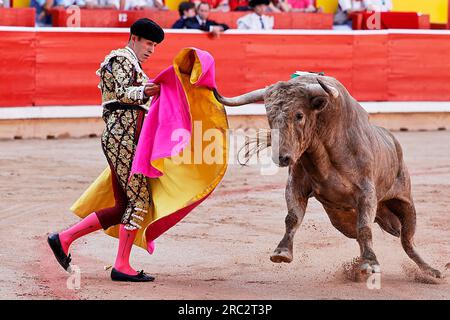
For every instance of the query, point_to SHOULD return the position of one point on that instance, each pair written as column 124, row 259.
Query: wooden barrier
column 57, row 66
column 17, row 70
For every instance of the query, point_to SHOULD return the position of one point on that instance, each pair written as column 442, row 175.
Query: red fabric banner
column 17, row 68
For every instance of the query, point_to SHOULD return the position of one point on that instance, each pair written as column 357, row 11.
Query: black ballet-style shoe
column 55, row 245
column 140, row 277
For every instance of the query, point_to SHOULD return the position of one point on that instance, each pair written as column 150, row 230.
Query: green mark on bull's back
column 299, row 73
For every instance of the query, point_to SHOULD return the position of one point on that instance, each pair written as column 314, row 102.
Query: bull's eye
column 298, row 116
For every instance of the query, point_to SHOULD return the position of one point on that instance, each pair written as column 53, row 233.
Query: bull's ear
column 318, row 103
column 321, row 95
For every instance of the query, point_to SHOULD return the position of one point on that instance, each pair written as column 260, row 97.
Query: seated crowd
column 43, row 8
column 215, row 5
column 196, row 17
column 194, row 13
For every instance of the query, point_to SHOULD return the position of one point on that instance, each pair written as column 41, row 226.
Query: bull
column 353, row 168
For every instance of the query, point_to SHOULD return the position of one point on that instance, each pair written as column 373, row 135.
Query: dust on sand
column 222, row 249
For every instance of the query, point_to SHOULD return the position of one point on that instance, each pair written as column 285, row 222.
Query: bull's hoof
column 369, row 268
column 433, row 272
column 281, row 255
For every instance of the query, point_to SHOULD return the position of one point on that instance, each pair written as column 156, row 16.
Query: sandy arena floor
column 221, row 250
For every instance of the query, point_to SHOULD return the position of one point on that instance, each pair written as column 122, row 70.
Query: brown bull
column 355, row 169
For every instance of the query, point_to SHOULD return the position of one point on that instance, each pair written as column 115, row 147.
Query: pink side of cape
column 168, row 114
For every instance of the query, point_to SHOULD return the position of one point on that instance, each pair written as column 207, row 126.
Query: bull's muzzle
column 284, row 160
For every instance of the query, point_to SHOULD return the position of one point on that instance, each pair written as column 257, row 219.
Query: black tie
column 262, row 23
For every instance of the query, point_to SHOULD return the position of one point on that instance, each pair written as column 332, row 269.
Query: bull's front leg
column 367, row 209
column 297, row 200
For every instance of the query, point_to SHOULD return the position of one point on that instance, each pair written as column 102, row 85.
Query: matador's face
column 143, row 48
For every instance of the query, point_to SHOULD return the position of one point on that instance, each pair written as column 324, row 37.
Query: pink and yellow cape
column 182, row 148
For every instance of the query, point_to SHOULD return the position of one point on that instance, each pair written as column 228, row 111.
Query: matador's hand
column 151, row 89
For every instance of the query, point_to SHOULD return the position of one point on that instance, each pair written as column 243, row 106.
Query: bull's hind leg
column 297, row 191
column 387, row 220
column 406, row 212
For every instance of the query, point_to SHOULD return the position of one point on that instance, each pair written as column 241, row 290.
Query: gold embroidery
column 122, row 79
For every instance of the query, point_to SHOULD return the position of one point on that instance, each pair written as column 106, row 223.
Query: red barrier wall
column 58, row 68
column 17, row 68
column 419, row 67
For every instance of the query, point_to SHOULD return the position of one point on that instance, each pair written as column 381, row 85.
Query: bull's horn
column 332, row 91
column 250, row 97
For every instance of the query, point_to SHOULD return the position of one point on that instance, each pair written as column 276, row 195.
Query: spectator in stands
column 256, row 20
column 68, row 3
column 215, row 5
column 378, row 5
column 5, row 3
column 43, row 17
column 144, row 4
column 273, row 6
column 345, row 9
column 243, row 5
column 186, row 10
column 104, row 4
column 201, row 21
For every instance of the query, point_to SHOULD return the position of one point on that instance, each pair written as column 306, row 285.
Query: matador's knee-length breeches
column 132, row 196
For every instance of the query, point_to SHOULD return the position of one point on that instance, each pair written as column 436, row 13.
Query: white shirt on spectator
column 378, row 5
column 104, row 3
column 252, row 21
column 5, row 3
column 352, row 5
column 139, row 3
column 68, row 3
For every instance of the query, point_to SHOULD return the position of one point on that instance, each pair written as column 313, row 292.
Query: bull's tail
column 254, row 145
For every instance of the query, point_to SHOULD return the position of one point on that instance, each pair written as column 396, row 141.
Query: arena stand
column 124, row 18
column 410, row 14
column 55, row 68
column 287, row 20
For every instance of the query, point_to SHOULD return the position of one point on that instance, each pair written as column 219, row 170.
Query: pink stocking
column 126, row 239
column 85, row 226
